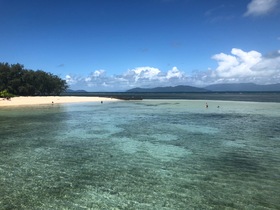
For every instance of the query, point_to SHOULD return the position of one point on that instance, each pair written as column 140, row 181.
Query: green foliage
column 19, row 81
column 5, row 94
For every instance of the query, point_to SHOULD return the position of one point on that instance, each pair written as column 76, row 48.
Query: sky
column 116, row 45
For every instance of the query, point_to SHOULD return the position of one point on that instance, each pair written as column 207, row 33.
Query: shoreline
column 45, row 100
column 223, row 96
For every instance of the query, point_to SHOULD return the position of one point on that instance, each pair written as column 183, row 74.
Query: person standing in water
column 206, row 105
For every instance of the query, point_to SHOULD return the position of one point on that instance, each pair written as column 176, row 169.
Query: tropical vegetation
column 16, row 80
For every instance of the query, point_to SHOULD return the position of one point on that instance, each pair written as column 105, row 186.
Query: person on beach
column 206, row 105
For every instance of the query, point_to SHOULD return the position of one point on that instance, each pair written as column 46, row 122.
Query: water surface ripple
column 150, row 154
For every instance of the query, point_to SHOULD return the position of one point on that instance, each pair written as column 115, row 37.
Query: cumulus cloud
column 150, row 76
column 260, row 7
column 250, row 66
column 96, row 75
column 174, row 73
column 70, row 80
column 144, row 73
column 238, row 66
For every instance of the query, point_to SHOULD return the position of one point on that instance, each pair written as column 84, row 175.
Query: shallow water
column 150, row 154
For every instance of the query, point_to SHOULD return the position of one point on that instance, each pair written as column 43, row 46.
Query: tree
column 5, row 94
column 4, row 78
column 19, row 81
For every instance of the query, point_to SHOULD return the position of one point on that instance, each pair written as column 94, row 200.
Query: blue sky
column 115, row 45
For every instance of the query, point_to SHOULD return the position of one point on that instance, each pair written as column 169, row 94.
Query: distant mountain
column 235, row 87
column 229, row 87
column 179, row 88
column 75, row 91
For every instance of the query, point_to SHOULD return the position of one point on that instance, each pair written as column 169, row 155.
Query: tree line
column 16, row 80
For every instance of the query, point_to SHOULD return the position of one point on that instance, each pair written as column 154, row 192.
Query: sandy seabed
column 40, row 100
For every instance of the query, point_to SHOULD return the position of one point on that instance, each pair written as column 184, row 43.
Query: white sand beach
column 40, row 100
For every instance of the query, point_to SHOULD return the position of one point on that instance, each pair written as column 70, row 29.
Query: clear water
column 151, row 154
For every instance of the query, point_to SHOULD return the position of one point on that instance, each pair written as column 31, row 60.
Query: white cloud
column 269, row 66
column 95, row 75
column 243, row 66
column 70, row 80
column 88, row 79
column 98, row 73
column 238, row 66
column 260, row 7
column 174, row 73
column 150, row 76
column 143, row 73
column 138, row 77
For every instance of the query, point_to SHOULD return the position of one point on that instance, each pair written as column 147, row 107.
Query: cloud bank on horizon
column 237, row 67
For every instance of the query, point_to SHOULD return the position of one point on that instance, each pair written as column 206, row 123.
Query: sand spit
column 41, row 100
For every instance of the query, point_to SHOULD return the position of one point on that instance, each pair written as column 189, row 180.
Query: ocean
column 147, row 154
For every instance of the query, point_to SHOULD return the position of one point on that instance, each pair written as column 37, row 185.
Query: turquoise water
column 150, row 154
